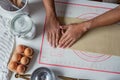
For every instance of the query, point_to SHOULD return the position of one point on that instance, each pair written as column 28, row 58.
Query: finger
column 62, row 38
column 66, row 43
column 64, row 27
column 48, row 36
column 71, row 43
column 53, row 39
column 50, row 39
column 62, row 31
column 57, row 38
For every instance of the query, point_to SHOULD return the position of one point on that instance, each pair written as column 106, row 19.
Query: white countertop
column 37, row 14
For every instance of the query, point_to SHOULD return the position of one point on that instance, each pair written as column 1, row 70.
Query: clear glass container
column 23, row 26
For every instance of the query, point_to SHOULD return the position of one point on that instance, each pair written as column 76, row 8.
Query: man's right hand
column 72, row 33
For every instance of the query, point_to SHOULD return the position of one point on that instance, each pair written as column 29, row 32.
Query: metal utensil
column 66, row 78
column 44, row 73
column 41, row 73
column 69, row 78
column 25, row 76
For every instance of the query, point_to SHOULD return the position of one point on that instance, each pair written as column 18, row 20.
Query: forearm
column 50, row 7
column 107, row 18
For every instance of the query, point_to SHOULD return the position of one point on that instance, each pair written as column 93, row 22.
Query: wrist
column 51, row 17
column 50, row 13
column 93, row 23
column 87, row 25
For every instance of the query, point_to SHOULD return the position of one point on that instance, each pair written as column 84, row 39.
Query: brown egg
column 20, row 48
column 16, row 57
column 13, row 65
column 24, row 60
column 28, row 52
column 21, row 69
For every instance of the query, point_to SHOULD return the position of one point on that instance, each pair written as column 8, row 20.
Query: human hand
column 53, row 30
column 73, row 33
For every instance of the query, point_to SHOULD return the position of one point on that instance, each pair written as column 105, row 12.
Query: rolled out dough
column 104, row 40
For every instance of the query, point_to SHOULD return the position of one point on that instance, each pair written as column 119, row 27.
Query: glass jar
column 22, row 26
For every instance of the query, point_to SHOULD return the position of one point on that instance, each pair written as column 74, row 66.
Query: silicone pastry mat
column 83, row 62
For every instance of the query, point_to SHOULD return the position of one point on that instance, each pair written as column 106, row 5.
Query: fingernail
column 53, row 46
column 56, row 44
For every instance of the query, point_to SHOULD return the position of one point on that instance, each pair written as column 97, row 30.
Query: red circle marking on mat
column 91, row 57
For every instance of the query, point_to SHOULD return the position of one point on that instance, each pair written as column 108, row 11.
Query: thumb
column 64, row 27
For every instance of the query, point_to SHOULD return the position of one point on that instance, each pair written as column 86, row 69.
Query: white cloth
column 6, row 47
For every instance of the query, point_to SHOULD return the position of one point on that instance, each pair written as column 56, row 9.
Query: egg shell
column 13, row 65
column 21, row 69
column 24, row 60
column 16, row 57
column 20, row 48
column 28, row 52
